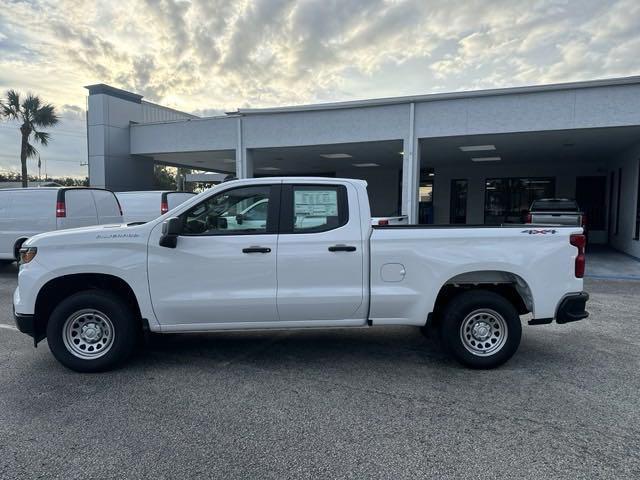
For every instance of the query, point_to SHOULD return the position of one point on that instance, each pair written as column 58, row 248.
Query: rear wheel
column 481, row 329
column 92, row 331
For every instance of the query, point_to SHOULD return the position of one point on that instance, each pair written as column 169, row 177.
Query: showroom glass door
column 458, row 207
column 591, row 197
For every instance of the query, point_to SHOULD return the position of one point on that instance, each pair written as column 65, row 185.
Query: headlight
column 27, row 254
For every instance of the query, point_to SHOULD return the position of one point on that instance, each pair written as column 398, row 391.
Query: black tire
column 491, row 333
column 117, row 325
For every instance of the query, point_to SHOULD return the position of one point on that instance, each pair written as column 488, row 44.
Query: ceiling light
column 228, row 160
column 477, row 148
column 365, row 164
column 486, row 159
column 400, row 153
column 335, row 155
column 271, row 169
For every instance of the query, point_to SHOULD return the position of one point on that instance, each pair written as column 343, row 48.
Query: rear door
column 24, row 213
column 107, row 207
column 320, row 255
column 176, row 198
column 139, row 206
column 79, row 208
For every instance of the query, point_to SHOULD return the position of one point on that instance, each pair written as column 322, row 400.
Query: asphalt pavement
column 365, row 403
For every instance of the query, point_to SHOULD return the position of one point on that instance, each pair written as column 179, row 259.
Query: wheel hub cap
column 88, row 334
column 483, row 332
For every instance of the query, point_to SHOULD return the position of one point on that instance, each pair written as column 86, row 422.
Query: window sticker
column 316, row 203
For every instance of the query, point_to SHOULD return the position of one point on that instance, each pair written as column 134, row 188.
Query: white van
column 25, row 212
column 144, row 206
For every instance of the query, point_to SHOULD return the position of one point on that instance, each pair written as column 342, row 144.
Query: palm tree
column 32, row 114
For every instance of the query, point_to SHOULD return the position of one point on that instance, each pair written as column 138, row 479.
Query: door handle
column 256, row 250
column 342, row 248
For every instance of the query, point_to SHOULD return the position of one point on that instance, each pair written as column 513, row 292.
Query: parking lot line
column 8, row 327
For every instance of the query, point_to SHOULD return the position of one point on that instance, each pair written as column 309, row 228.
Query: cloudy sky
column 207, row 56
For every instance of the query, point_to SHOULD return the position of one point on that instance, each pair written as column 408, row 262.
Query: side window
column 257, row 211
column 230, row 213
column 79, row 204
column 319, row 208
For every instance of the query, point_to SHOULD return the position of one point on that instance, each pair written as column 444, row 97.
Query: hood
column 89, row 234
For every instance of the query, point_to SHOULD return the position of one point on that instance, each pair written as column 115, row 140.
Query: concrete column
column 410, row 170
column 244, row 156
column 111, row 166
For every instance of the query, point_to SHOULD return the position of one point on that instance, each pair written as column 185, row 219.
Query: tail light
column 579, row 241
column 164, row 208
column 529, row 218
column 61, row 210
column 383, row 222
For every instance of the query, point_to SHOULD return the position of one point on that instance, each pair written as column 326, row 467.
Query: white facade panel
column 184, row 136
column 389, row 122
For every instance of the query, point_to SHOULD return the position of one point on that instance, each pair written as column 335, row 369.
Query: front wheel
column 92, row 331
column 481, row 329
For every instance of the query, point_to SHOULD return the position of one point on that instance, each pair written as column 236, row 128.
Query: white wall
column 629, row 161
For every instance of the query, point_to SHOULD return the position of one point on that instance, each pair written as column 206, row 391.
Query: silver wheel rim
column 484, row 332
column 88, row 334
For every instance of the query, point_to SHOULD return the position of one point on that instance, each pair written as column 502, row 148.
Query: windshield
column 553, row 205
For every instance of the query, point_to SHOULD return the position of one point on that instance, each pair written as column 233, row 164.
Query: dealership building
column 477, row 157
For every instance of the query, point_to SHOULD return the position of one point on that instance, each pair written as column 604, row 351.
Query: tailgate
column 557, row 218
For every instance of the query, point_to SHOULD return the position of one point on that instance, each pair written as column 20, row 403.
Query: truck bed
column 405, row 257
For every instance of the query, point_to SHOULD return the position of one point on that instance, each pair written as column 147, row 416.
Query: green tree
column 164, row 178
column 32, row 114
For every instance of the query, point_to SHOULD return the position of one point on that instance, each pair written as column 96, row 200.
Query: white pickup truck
column 316, row 262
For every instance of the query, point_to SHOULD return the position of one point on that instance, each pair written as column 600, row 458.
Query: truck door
column 220, row 272
column 320, row 254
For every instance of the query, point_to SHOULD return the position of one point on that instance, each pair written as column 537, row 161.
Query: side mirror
column 170, row 231
column 239, row 219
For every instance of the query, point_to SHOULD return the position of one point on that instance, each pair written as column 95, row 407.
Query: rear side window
column 106, row 203
column 176, row 198
column 79, row 204
column 314, row 208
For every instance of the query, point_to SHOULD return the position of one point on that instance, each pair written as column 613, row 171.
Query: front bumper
column 572, row 308
column 25, row 323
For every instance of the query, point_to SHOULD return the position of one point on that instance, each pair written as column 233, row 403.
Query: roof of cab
column 243, row 181
column 39, row 189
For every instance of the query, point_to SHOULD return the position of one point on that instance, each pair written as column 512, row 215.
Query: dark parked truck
column 556, row 211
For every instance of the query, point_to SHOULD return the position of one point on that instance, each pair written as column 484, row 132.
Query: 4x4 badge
column 539, row 231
